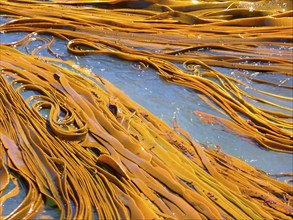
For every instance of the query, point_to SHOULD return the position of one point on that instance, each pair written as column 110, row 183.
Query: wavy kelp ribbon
column 98, row 151
column 197, row 35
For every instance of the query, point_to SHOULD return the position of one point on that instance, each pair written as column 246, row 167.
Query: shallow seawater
column 168, row 101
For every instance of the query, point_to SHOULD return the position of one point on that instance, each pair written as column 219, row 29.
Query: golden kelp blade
column 237, row 35
column 83, row 154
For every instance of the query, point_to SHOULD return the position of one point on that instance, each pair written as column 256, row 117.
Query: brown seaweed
column 97, row 151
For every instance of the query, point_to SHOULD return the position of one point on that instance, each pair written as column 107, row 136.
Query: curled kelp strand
column 108, row 160
column 140, row 66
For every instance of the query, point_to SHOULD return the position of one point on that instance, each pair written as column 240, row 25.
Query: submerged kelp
column 78, row 143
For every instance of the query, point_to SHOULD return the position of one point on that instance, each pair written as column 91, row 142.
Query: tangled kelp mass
column 98, row 150
column 72, row 140
column 237, row 35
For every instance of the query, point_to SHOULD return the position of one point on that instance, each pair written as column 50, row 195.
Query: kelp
column 80, row 143
column 198, row 36
column 122, row 163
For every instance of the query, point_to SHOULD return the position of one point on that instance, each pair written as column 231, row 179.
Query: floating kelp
column 78, row 142
column 122, row 163
column 170, row 37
